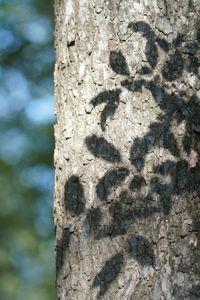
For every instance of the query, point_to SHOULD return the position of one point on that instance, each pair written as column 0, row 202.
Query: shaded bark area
column 127, row 192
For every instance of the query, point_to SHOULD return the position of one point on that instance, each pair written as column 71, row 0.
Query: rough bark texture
column 127, row 149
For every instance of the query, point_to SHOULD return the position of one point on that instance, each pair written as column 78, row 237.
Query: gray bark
column 127, row 149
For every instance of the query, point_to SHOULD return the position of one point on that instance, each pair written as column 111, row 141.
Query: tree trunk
column 127, row 149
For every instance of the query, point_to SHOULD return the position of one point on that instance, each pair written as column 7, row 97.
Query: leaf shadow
column 108, row 273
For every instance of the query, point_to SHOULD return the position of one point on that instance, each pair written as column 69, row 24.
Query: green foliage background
column 27, row 259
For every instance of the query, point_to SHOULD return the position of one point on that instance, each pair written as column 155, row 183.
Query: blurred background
column 27, row 258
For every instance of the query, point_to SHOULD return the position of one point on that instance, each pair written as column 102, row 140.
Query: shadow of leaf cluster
column 127, row 208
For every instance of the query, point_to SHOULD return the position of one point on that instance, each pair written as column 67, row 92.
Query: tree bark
column 127, row 149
